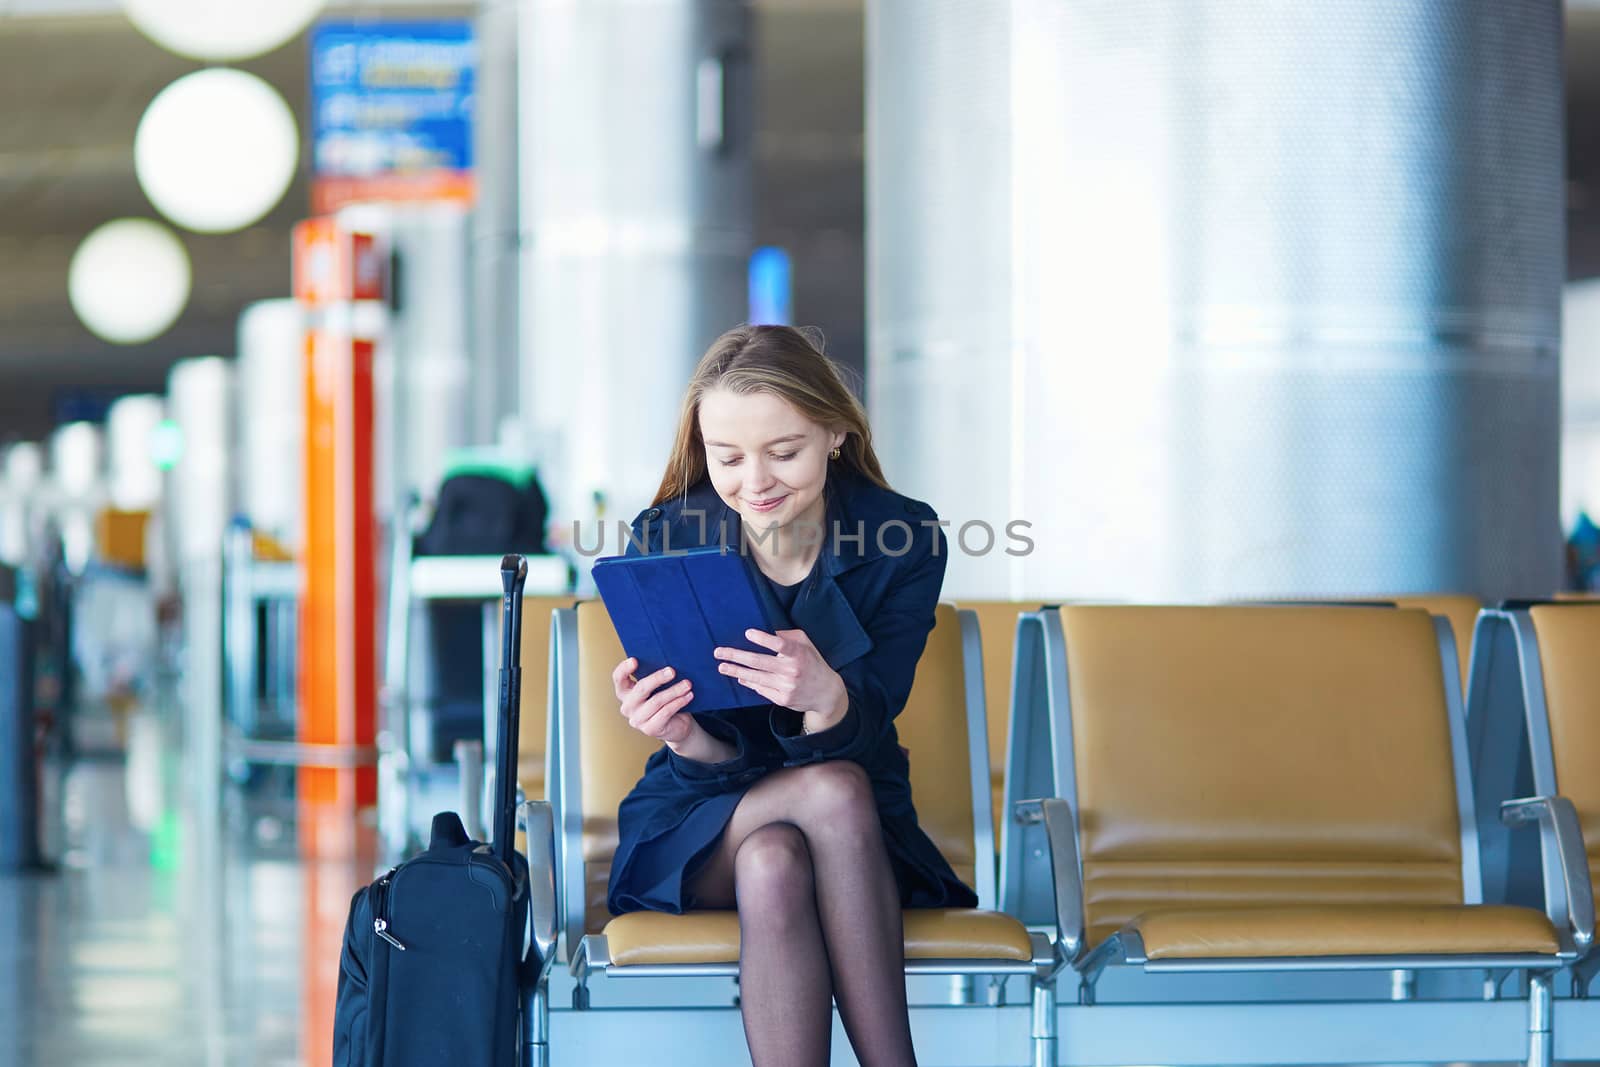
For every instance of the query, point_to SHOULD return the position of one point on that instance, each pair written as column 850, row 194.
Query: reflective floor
column 169, row 945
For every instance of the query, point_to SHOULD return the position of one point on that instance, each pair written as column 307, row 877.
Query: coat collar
column 854, row 507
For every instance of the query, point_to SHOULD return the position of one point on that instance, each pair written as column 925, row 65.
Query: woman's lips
column 769, row 505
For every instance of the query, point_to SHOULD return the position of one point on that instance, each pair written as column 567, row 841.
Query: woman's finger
column 622, row 678
column 647, row 685
column 741, row 674
column 646, row 708
column 766, row 640
column 758, row 660
column 658, row 722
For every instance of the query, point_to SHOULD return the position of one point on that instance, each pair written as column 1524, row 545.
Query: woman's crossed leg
column 803, row 860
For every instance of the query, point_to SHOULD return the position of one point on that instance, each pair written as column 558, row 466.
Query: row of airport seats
column 1244, row 790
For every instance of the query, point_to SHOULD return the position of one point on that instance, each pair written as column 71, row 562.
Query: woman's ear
column 838, row 439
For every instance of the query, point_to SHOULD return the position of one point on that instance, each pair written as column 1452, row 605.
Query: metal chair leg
column 1044, row 1022
column 1403, row 985
column 1541, row 1020
column 536, row 1026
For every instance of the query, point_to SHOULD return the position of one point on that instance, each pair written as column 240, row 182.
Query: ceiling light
column 216, row 150
column 221, row 30
column 129, row 280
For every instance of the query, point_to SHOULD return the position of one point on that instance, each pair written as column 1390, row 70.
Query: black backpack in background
column 480, row 512
column 486, row 515
column 433, row 951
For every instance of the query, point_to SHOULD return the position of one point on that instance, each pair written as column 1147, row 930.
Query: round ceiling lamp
column 129, row 280
column 221, row 30
column 216, row 150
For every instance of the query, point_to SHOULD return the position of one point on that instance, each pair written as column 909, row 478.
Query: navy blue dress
column 868, row 607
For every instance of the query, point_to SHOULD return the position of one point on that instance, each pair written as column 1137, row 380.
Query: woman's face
column 767, row 461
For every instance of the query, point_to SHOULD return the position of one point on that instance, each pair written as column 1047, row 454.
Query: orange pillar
column 338, row 614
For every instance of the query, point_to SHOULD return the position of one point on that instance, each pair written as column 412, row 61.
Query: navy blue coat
column 868, row 607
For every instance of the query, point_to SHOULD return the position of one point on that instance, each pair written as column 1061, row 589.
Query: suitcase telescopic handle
column 513, row 573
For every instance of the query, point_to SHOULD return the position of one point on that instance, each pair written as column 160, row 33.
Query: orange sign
column 332, row 264
column 330, row 193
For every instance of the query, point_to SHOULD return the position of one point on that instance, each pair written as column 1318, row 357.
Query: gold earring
column 835, row 453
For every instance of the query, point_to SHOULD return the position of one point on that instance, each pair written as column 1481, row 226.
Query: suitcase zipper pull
column 381, row 928
column 380, row 923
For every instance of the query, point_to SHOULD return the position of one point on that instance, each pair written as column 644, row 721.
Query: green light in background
column 166, row 444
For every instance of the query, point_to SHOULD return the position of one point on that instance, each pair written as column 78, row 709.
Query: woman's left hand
column 794, row 676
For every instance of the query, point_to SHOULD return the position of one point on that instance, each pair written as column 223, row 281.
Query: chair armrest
column 1560, row 840
column 1061, row 832
column 539, row 824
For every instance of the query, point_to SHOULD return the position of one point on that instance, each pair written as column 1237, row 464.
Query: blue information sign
column 391, row 110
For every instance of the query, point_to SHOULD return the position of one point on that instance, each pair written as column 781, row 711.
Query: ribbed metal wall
column 635, row 208
column 1228, row 298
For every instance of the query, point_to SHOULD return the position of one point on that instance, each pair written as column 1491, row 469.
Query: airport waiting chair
column 1536, row 699
column 997, row 622
column 600, row 758
column 1459, row 609
column 538, row 694
column 1462, row 612
column 1268, row 790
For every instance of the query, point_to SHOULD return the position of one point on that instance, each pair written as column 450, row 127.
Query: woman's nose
column 757, row 477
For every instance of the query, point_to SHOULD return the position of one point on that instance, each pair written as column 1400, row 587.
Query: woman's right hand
column 651, row 704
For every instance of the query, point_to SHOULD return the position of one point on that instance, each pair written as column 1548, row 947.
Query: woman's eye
column 786, row 455
column 734, row 462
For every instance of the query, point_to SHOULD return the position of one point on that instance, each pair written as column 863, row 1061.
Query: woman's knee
column 772, row 869
column 837, row 797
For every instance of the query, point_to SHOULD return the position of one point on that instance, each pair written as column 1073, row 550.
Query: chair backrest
column 936, row 727
column 997, row 619
column 1569, row 659
column 533, row 722
column 610, row 756
column 942, row 727
column 1252, row 756
column 1461, row 610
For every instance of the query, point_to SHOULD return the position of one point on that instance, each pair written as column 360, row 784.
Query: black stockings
column 819, row 918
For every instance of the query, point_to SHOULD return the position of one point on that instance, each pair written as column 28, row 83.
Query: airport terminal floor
column 135, row 950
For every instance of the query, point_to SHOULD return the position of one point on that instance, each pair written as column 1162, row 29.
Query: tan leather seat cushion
column 1201, row 933
column 1569, row 655
column 645, row 937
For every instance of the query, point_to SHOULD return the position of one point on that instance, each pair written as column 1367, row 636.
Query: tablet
column 671, row 610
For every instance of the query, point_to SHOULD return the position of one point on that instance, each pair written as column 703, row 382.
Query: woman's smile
column 768, row 504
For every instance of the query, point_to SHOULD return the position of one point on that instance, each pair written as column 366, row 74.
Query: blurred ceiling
column 75, row 85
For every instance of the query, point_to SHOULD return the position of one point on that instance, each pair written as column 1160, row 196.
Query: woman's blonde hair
column 785, row 362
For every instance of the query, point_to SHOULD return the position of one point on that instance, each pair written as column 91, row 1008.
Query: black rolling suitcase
column 432, row 950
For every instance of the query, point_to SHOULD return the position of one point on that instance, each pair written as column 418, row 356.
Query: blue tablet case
column 672, row 610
